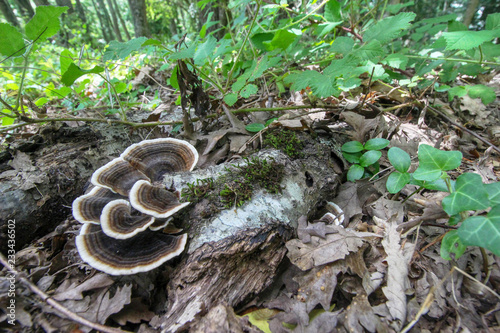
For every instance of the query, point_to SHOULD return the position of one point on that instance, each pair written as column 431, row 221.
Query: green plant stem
column 413, row 193
column 302, row 19
column 122, row 111
column 23, row 75
column 470, row 61
column 229, row 76
column 485, row 264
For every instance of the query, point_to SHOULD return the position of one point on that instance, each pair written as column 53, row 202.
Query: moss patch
column 236, row 186
column 286, row 141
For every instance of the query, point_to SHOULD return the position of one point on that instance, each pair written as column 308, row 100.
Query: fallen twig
column 46, row 298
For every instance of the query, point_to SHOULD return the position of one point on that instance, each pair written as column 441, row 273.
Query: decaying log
column 42, row 175
column 234, row 254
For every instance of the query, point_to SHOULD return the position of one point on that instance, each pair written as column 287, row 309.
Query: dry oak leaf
column 75, row 290
column 320, row 251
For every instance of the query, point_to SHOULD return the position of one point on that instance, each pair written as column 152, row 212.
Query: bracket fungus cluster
column 122, row 212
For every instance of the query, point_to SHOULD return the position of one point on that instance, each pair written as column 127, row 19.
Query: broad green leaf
column 493, row 190
column 11, row 41
column 205, row 50
column 342, row 45
column 487, row 94
column 117, row 50
column 174, row 82
column 248, row 90
column 396, row 60
column 352, row 147
column 376, row 144
column 282, row 39
column 41, row 101
column 483, row 231
column 324, row 28
column 45, row 23
column 459, row 91
column 470, row 194
column 399, row 159
column 65, row 60
column 323, row 87
column 389, row 28
column 432, row 162
column 74, row 72
column 439, row 19
column 352, row 157
column 240, row 83
column 254, row 127
column 261, row 65
column 396, row 181
column 455, row 219
column 466, row 40
column 451, row 244
column 493, row 21
column 184, row 53
column 355, row 172
column 370, row 157
column 7, row 121
column 372, row 51
column 332, row 11
column 260, row 39
column 231, row 98
column 151, row 41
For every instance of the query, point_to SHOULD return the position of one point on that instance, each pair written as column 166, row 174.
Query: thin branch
column 56, row 305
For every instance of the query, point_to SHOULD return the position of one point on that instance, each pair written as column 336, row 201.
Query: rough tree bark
column 470, row 12
column 8, row 13
column 122, row 22
column 114, row 22
column 105, row 17
column 104, row 29
column 138, row 11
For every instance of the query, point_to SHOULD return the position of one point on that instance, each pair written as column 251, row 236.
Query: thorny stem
column 229, row 76
column 23, row 75
column 457, row 60
column 56, row 305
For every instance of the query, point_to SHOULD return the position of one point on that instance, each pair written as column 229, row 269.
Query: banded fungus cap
column 117, row 175
column 141, row 253
column 157, row 157
column 88, row 207
column 153, row 200
column 160, row 224
column 117, row 221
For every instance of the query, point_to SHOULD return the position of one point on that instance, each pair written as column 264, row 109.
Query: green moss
column 236, row 186
column 286, row 141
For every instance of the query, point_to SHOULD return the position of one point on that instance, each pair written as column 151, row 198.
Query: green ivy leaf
column 117, row 50
column 389, row 28
column 451, row 244
column 470, row 194
column 432, row 162
column 376, row 144
column 355, row 172
column 396, row 181
column 369, row 158
column 352, row 147
column 466, row 40
column 255, row 127
column 493, row 190
column 231, row 99
column 74, row 72
column 45, row 23
column 249, row 90
column 482, row 231
column 487, row 94
column 399, row 159
column 11, row 41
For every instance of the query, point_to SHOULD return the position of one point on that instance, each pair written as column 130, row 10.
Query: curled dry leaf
column 320, row 251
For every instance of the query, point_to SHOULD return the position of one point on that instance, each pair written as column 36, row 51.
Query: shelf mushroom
column 122, row 212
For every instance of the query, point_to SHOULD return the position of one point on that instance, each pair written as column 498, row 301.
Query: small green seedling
column 257, row 127
column 467, row 193
column 364, row 157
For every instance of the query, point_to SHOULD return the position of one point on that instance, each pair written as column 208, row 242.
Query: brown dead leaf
column 387, row 209
column 360, row 124
column 359, row 315
column 323, row 251
column 397, row 259
column 305, row 230
column 68, row 290
column 347, row 199
column 134, row 313
column 104, row 305
column 325, row 322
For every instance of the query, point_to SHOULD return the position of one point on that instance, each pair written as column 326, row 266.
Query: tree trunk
column 42, row 3
column 138, row 11
column 81, row 13
column 122, row 22
column 25, row 8
column 66, row 3
column 105, row 31
column 470, row 12
column 8, row 13
column 105, row 18
column 116, row 27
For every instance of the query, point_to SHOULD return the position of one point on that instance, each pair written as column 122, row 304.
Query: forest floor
column 381, row 272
